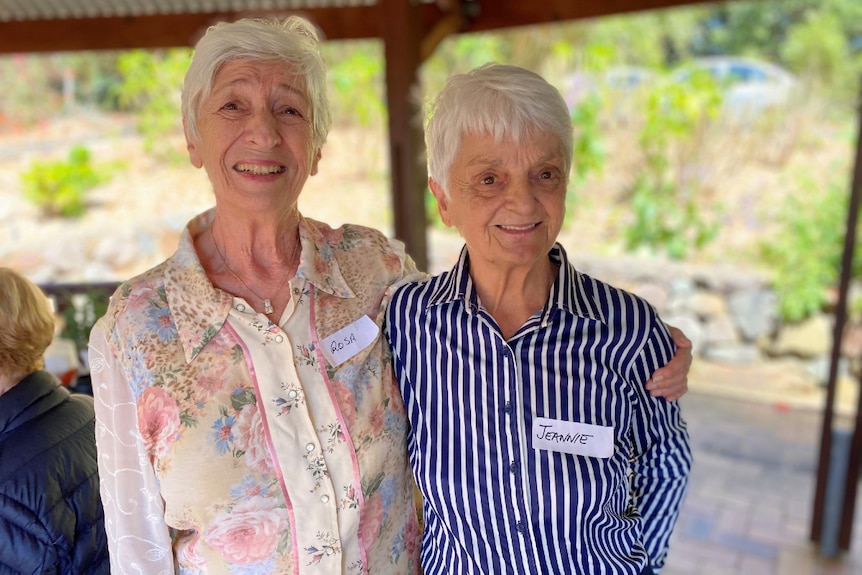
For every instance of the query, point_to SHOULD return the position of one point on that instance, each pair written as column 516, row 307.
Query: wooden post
column 402, row 38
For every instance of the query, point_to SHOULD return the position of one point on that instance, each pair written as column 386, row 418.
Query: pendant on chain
column 267, row 306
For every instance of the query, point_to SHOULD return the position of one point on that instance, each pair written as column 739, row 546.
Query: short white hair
column 494, row 99
column 293, row 41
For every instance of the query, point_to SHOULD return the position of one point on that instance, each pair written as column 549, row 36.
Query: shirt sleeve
column 409, row 271
column 139, row 540
column 661, row 457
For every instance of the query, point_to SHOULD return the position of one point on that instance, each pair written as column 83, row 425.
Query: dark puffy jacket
column 51, row 518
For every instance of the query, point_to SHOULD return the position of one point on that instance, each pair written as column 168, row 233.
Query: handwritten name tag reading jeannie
column 571, row 437
column 348, row 341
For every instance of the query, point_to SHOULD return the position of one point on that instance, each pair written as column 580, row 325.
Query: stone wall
column 729, row 312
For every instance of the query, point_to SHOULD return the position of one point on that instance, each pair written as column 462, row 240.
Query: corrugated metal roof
column 21, row 10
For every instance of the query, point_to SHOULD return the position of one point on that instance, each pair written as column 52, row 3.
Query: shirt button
column 508, row 407
column 291, row 394
column 240, row 307
column 295, row 291
column 329, row 551
column 506, row 352
column 324, row 498
column 309, row 447
column 520, row 526
column 279, row 338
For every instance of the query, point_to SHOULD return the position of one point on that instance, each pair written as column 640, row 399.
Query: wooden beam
column 401, row 26
column 166, row 31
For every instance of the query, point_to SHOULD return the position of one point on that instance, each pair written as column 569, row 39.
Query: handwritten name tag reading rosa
column 350, row 340
column 572, row 437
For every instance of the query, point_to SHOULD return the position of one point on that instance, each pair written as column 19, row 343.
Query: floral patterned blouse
column 231, row 444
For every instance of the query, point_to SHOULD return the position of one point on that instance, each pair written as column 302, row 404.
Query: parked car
column 614, row 84
column 750, row 87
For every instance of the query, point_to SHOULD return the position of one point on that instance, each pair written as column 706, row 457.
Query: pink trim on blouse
column 271, row 447
column 363, row 552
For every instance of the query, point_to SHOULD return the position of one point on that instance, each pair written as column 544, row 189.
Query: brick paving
column 749, row 505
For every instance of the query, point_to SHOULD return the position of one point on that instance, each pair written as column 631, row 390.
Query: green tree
column 151, row 87
column 806, row 254
column 356, row 82
column 669, row 213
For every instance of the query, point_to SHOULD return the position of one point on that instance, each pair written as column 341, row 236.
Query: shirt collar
column 186, row 281
column 568, row 293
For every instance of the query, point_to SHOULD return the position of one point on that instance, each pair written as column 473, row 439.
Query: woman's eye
column 230, row 106
column 290, row 111
column 488, row 180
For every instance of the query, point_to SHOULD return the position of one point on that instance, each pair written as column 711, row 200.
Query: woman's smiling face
column 507, row 198
column 255, row 132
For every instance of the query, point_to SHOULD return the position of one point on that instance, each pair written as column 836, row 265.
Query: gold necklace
column 267, row 302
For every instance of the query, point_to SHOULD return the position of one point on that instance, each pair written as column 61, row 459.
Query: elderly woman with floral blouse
column 248, row 418
column 248, row 421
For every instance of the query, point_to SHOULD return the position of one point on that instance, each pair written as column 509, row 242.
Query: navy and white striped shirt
column 493, row 501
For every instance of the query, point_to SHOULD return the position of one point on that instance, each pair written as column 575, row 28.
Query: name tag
column 571, row 437
column 348, row 341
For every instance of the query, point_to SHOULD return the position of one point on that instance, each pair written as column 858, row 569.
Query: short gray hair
column 493, row 99
column 293, row 41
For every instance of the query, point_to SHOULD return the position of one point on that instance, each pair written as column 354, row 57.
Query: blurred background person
column 51, row 519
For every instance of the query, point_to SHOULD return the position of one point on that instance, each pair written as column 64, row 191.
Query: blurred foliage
column 806, row 255
column 818, row 40
column 151, row 86
column 356, row 82
column 59, row 188
column 669, row 212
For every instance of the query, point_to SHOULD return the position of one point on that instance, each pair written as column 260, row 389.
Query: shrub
column 668, row 208
column 59, row 188
column 806, row 254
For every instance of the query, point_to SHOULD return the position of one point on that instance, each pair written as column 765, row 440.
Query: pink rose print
column 372, row 519
column 159, row 419
column 249, row 436
column 346, row 402
column 392, row 262
column 321, row 266
column 377, row 420
column 412, row 538
column 188, row 555
column 249, row 533
column 213, row 380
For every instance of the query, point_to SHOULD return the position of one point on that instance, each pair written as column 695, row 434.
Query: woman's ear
column 194, row 154
column 442, row 201
column 315, row 160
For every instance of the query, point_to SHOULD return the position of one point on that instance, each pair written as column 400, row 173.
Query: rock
column 691, row 327
column 807, row 339
column 719, row 330
column 732, row 353
column 755, row 312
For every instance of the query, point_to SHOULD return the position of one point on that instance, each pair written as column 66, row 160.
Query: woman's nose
column 263, row 130
column 521, row 195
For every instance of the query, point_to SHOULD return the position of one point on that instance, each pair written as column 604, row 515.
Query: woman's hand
column 671, row 381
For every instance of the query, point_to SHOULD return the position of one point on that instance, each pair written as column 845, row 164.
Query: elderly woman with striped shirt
column 534, row 441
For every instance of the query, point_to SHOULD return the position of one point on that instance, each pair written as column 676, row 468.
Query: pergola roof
column 52, row 25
